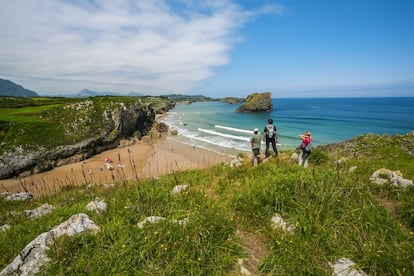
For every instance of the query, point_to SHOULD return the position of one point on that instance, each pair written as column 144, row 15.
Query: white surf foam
column 224, row 135
column 234, row 129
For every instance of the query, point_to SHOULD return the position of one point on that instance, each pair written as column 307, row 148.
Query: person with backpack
column 270, row 136
column 305, row 148
column 255, row 143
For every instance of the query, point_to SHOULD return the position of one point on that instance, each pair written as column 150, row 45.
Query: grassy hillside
column 336, row 213
column 47, row 122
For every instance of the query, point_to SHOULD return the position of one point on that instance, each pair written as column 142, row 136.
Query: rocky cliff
column 75, row 131
column 257, row 102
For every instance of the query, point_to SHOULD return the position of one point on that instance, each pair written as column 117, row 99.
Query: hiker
column 305, row 148
column 270, row 136
column 255, row 143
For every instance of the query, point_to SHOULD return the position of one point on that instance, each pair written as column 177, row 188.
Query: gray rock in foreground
column 33, row 256
column 16, row 197
column 384, row 175
column 346, row 267
column 44, row 209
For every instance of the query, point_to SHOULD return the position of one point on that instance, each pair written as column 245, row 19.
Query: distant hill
column 181, row 96
column 188, row 98
column 84, row 93
column 8, row 88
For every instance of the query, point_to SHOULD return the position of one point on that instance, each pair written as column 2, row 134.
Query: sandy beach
column 143, row 159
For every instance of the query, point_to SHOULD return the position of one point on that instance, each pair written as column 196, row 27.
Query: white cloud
column 117, row 45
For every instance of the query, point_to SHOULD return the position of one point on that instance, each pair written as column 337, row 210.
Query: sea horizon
column 218, row 127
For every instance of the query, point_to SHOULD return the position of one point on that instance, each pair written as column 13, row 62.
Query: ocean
column 218, row 127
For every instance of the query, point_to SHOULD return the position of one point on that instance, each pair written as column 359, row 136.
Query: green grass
column 46, row 123
column 336, row 213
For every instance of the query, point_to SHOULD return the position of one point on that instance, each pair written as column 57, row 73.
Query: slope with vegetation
column 37, row 134
column 336, row 212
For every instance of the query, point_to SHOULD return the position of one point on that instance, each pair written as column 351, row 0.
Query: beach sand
column 144, row 159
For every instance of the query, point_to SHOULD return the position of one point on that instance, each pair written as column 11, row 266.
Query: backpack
column 270, row 130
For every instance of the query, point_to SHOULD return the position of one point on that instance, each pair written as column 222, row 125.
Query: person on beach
column 305, row 148
column 255, row 143
column 270, row 136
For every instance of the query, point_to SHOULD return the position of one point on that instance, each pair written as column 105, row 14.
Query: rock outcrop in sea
column 257, row 102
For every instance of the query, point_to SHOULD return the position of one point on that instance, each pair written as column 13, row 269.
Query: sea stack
column 257, row 102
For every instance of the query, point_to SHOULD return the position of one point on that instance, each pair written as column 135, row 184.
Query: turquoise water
column 217, row 126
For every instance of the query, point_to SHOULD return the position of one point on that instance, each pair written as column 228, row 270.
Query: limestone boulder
column 97, row 206
column 180, row 188
column 279, row 222
column 44, row 209
column 384, row 175
column 33, row 256
column 16, row 197
column 236, row 162
column 156, row 219
column 346, row 267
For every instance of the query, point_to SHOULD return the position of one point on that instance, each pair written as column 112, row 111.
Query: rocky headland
column 71, row 130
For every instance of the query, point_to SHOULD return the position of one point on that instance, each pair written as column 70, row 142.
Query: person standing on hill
column 255, row 143
column 270, row 136
column 305, row 148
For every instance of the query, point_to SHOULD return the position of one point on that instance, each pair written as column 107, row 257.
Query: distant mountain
column 187, row 97
column 84, row 93
column 8, row 88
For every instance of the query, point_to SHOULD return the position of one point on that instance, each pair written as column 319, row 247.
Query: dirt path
column 256, row 250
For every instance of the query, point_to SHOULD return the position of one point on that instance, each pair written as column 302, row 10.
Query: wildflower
column 123, row 246
column 411, row 233
column 199, row 258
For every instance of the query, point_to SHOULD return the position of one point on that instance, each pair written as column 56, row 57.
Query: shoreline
column 146, row 158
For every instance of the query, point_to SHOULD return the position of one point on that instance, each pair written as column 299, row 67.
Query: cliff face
column 81, row 129
column 257, row 102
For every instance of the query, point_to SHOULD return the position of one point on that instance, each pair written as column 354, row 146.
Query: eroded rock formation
column 257, row 102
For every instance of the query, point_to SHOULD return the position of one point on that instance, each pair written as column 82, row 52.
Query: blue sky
column 292, row 48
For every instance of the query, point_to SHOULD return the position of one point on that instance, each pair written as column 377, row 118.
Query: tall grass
column 336, row 213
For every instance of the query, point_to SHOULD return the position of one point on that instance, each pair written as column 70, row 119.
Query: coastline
column 149, row 157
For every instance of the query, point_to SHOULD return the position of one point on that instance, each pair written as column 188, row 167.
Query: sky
column 216, row 48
